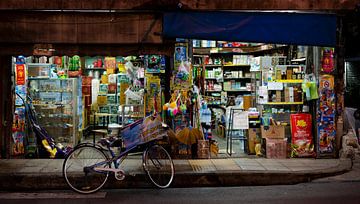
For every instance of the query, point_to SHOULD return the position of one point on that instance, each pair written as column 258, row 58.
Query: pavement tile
column 241, row 162
column 245, row 161
column 252, row 168
column 225, row 165
column 182, row 165
column 204, row 165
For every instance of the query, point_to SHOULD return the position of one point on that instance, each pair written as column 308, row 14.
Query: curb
column 55, row 181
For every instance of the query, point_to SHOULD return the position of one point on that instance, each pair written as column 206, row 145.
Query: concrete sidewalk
column 38, row 174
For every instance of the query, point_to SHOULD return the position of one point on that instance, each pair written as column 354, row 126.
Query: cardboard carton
column 253, row 133
column 274, row 132
column 276, row 148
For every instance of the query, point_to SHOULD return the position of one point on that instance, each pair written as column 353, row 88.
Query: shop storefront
column 272, row 100
column 221, row 96
column 74, row 99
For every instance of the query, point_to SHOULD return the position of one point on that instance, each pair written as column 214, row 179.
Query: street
column 315, row 192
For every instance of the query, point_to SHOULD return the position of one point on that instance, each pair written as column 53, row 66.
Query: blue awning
column 266, row 27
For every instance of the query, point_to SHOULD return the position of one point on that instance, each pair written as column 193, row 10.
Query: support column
column 6, row 105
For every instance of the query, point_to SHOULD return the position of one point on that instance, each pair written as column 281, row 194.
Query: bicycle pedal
column 119, row 174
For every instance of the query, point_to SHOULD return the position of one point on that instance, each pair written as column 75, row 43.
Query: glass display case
column 56, row 105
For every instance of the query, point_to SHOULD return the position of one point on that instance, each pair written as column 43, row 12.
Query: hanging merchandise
column 182, row 78
column 74, row 66
column 326, row 115
column 18, row 126
column 327, row 60
column 74, row 63
column 110, row 65
column 154, row 63
column 121, row 64
column 180, row 53
column 153, row 87
column 172, row 107
column 131, row 67
column 20, row 74
column 309, row 87
column 301, row 134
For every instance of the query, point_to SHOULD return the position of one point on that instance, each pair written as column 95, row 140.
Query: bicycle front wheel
column 159, row 166
column 78, row 169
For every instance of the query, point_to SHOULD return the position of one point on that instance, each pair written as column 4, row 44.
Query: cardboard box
column 289, row 74
column 274, row 132
column 253, row 134
column 278, row 96
column 291, row 94
column 287, row 94
column 276, row 148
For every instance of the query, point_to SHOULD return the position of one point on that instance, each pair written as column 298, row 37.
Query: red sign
column 20, row 74
column 302, row 140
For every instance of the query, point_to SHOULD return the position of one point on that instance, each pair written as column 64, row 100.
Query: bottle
column 95, row 84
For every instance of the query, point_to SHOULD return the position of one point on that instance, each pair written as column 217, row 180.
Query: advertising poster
column 326, row 115
column 301, row 135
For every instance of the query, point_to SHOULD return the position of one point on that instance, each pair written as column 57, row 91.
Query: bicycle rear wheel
column 159, row 166
column 77, row 169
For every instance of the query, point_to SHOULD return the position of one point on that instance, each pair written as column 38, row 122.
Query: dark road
column 321, row 192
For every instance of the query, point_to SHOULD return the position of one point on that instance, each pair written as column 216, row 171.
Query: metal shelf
column 232, row 78
column 284, row 103
column 290, row 81
column 213, row 91
column 240, row 90
column 236, row 65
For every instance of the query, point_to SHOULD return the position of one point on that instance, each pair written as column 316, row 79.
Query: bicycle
column 86, row 168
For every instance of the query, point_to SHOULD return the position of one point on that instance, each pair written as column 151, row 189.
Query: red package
column 301, row 132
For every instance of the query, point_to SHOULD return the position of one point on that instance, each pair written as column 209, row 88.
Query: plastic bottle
column 95, row 84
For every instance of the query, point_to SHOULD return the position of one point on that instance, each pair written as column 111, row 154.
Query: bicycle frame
column 114, row 158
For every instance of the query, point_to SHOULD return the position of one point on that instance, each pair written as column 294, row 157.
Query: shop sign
column 20, row 74
column 43, row 50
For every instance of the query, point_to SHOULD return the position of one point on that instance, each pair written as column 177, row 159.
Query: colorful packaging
column 326, row 123
column 301, row 131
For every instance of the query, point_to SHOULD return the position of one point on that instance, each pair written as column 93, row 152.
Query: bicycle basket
column 142, row 131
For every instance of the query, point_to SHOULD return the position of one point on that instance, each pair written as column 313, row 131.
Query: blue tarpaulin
column 267, row 27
